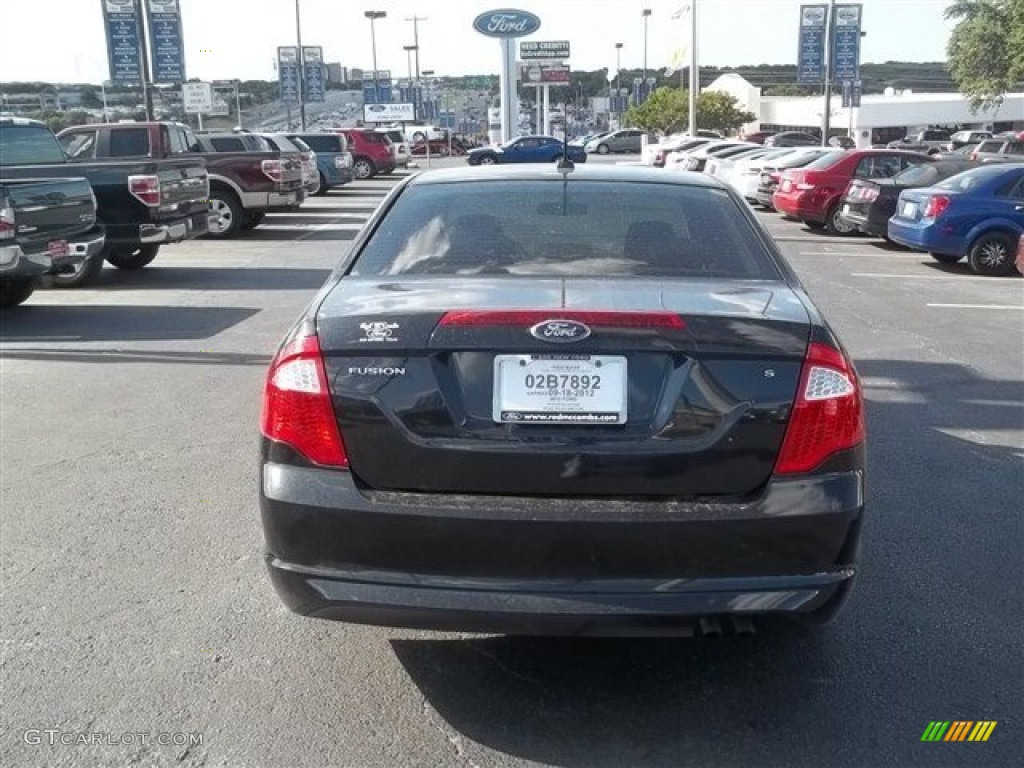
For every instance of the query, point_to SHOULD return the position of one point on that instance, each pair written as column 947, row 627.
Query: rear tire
column 229, row 209
column 84, row 273
column 602, row 149
column 133, row 258
column 254, row 220
column 993, row 255
column 322, row 190
column 945, row 258
column 488, row 160
column 363, row 168
column 15, row 292
column 835, row 226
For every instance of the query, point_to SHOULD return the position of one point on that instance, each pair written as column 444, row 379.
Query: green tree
column 986, row 49
column 718, row 111
column 665, row 111
column 90, row 99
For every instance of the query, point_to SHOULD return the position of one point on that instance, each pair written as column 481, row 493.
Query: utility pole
column 646, row 13
column 302, row 68
column 826, row 111
column 416, row 39
column 147, row 86
column 618, row 68
column 694, row 70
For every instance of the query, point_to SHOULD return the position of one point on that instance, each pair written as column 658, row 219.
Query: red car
column 371, row 153
column 814, row 193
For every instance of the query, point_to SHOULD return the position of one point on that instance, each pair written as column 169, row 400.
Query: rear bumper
column 176, row 231
column 269, row 201
column 863, row 222
column 924, row 237
column 15, row 263
column 796, row 205
column 554, row 566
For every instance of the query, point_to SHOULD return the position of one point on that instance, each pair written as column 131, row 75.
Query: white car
column 746, row 171
column 695, row 159
column 720, row 166
column 414, row 134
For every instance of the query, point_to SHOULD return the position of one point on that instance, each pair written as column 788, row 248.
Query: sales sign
column 288, row 73
column 313, row 72
column 811, row 58
column 121, row 20
column 197, row 98
column 168, row 48
column 554, row 74
column 846, row 43
column 551, row 50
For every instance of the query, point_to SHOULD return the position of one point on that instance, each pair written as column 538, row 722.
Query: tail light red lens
column 828, row 414
column 297, row 407
column 273, row 169
column 530, row 317
column 870, row 194
column 7, row 223
column 146, row 189
column 936, row 206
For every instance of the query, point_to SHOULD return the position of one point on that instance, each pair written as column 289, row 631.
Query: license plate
column 846, row 209
column 909, row 210
column 559, row 389
column 58, row 248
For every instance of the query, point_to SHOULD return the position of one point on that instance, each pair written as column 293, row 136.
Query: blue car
column 333, row 160
column 526, row 149
column 978, row 214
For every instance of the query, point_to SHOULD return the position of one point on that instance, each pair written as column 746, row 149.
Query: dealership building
column 879, row 119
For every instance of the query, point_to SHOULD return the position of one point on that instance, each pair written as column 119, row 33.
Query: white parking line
column 901, row 276
column 978, row 306
column 861, row 254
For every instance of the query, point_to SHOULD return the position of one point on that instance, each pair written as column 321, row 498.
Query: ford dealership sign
column 506, row 22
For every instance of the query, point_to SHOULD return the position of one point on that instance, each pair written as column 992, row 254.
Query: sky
column 225, row 39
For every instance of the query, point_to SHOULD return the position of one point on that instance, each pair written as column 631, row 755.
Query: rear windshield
column 970, row 180
column 395, row 136
column 580, row 228
column 324, row 142
column 29, row 144
column 129, row 142
column 375, row 138
column 825, row 161
column 918, row 175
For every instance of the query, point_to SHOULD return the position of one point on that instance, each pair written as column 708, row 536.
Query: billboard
column 846, row 43
column 313, row 72
column 389, row 113
column 288, row 73
column 811, row 57
column 166, row 41
column 551, row 50
column 121, row 23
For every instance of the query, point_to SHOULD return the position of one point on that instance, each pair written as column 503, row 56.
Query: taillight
column 297, row 406
column 7, row 224
column 937, row 205
column 828, row 414
column 273, row 169
column 529, row 317
column 146, row 189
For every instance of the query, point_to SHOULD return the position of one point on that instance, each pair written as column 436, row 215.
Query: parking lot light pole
column 373, row 16
column 618, row 68
column 694, row 69
column 408, row 58
column 416, row 39
column 301, row 68
column 646, row 13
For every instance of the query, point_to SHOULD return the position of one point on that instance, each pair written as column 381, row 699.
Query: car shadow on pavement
column 73, row 323
column 930, row 632
column 161, row 277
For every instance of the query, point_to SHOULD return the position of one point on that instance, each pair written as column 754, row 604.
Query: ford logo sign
column 506, row 22
column 560, row 331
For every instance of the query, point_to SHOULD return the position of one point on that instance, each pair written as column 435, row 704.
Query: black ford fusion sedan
column 542, row 401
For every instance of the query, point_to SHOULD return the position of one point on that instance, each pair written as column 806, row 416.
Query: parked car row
column 118, row 192
column 949, row 205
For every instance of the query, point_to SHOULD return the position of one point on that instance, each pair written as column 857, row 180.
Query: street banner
column 121, row 22
column 811, row 57
column 166, row 41
column 288, row 73
column 846, row 43
column 313, row 72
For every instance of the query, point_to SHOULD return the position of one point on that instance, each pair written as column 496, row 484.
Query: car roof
column 582, row 172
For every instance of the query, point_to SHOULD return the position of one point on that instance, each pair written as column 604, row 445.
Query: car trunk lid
column 699, row 376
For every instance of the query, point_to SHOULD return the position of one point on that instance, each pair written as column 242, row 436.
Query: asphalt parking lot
column 135, row 600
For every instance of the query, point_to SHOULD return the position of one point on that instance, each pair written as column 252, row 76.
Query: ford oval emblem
column 506, row 22
column 560, row 331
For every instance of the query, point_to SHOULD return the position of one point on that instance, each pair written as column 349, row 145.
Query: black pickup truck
column 47, row 227
column 142, row 204
column 246, row 180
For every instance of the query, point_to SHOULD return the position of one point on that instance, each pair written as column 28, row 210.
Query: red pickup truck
column 244, row 185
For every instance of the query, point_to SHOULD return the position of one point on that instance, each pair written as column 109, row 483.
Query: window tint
column 827, row 161
column 228, row 145
column 129, row 142
column 324, row 142
column 585, row 228
column 1013, row 190
column 989, row 146
column 80, row 145
column 917, row 175
column 373, row 138
column 29, row 144
column 1015, row 148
